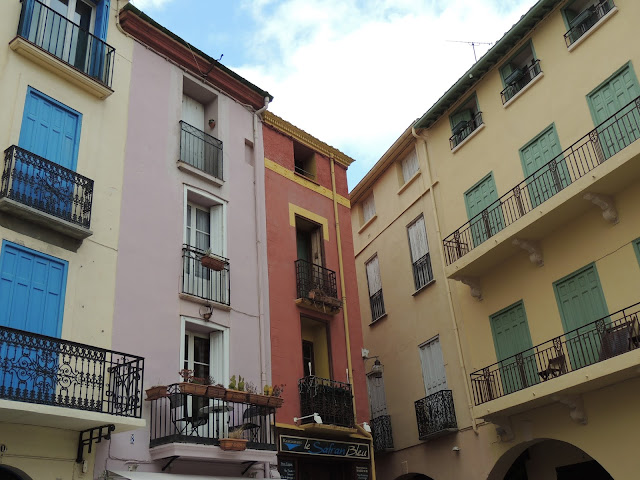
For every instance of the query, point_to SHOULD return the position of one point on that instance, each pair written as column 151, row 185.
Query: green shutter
column 478, row 198
column 636, row 248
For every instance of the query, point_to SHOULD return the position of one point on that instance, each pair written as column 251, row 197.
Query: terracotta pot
column 275, row 401
column 212, row 263
column 235, row 396
column 214, row 391
column 257, row 399
column 156, row 392
column 193, row 389
column 234, row 444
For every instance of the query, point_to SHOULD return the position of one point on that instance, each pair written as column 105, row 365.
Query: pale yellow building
column 528, row 181
column 64, row 92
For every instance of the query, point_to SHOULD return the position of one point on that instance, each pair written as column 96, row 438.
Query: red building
column 316, row 335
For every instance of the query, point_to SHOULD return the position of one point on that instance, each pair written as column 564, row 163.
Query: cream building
column 64, row 93
column 527, row 179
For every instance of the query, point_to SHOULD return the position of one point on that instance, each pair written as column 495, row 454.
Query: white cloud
column 356, row 74
column 150, row 4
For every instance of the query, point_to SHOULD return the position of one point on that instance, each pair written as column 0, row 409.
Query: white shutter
column 409, row 166
column 368, row 208
column 377, row 398
column 192, row 112
column 433, row 372
column 418, row 240
column 373, row 276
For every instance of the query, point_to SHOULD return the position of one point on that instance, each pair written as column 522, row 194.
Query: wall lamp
column 316, row 418
column 377, row 368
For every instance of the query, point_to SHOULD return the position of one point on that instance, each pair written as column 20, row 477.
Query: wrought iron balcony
column 204, row 282
column 436, row 415
column 332, row 400
column 187, row 418
column 316, row 284
column 377, row 306
column 51, row 371
column 382, row 433
column 201, row 150
column 523, row 77
column 595, row 342
column 43, row 185
column 67, row 41
column 465, row 130
column 422, row 273
column 586, row 19
column 610, row 137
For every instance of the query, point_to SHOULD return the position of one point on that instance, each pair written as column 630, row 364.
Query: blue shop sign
column 324, row 448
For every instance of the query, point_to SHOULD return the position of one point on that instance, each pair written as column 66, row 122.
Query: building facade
column 316, row 334
column 191, row 289
column 65, row 77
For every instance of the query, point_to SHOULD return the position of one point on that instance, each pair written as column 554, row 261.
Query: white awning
column 164, row 476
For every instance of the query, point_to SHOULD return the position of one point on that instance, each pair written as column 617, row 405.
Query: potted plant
column 234, row 440
column 216, row 391
column 235, row 392
column 212, row 261
column 275, row 395
column 193, row 385
column 254, row 397
column 212, row 123
column 155, row 392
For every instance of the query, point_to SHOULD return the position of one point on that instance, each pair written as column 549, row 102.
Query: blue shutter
column 25, row 17
column 102, row 19
column 32, row 290
column 98, row 49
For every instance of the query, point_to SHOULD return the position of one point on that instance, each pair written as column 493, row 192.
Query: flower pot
column 233, row 444
column 257, row 399
column 156, row 392
column 214, row 391
column 275, row 401
column 193, row 389
column 235, row 396
column 212, row 263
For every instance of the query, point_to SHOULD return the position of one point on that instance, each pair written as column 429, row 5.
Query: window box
column 213, row 262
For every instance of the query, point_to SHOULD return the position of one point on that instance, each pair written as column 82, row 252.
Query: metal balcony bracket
column 504, row 428
column 606, row 203
column 576, row 407
column 88, row 437
column 171, row 460
column 474, row 284
column 532, row 248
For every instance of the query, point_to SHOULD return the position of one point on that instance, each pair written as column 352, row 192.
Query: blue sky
column 353, row 73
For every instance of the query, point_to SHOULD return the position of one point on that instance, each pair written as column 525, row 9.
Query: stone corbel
column 474, row 284
column 576, row 407
column 606, row 203
column 532, row 248
column 504, row 428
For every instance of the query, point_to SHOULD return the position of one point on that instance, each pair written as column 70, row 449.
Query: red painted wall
column 286, row 341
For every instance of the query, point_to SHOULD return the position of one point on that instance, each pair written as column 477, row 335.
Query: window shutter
column 102, row 19
column 409, row 166
column 373, row 276
column 368, row 208
column 418, row 240
column 377, row 399
column 433, row 371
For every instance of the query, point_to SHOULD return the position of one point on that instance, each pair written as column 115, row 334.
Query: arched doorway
column 546, row 458
column 413, row 476
column 12, row 473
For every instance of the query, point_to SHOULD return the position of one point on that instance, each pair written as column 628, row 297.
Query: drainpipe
column 261, row 245
column 345, row 313
column 454, row 322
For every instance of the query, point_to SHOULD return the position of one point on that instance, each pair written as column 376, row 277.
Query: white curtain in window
column 418, row 240
column 409, row 166
column 373, row 276
column 368, row 208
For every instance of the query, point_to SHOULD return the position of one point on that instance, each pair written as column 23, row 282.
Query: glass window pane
column 201, row 350
column 203, row 220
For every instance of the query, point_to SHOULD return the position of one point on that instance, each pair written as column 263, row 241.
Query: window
column 368, row 208
column 375, row 289
column 483, row 210
column 409, row 166
column 464, row 121
column 420, row 258
column 519, row 71
column 304, row 160
column 433, row 372
column 580, row 15
column 315, row 347
column 636, row 248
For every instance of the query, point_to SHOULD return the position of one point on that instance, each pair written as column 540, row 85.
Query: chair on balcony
column 184, row 423
column 616, row 340
column 555, row 367
column 252, row 418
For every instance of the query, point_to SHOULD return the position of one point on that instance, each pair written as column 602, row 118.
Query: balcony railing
column 465, row 130
column 51, row 371
column 46, row 186
column 204, row 282
column 382, row 434
column 422, row 273
column 611, row 136
column 187, row 418
column 67, row 41
column 595, row 342
column 201, row 150
column 436, row 415
column 586, row 19
column 525, row 76
column 377, row 306
column 316, row 283
column 332, row 400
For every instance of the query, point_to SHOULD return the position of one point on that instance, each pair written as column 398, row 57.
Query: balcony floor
column 194, row 451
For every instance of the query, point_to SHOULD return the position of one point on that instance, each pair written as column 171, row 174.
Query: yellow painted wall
column 316, row 332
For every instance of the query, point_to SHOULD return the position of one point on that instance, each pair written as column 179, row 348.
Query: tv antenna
column 473, row 45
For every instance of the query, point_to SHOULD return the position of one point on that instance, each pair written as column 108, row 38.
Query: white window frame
column 71, row 9
column 409, row 166
column 366, row 266
column 218, row 223
column 219, row 350
column 368, row 208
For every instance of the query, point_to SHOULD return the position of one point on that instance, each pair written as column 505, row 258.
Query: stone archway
column 11, row 473
column 547, row 458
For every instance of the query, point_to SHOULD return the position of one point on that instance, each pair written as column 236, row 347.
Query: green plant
column 240, row 383
column 236, row 433
column 250, row 387
column 208, row 380
column 232, row 383
column 268, row 390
